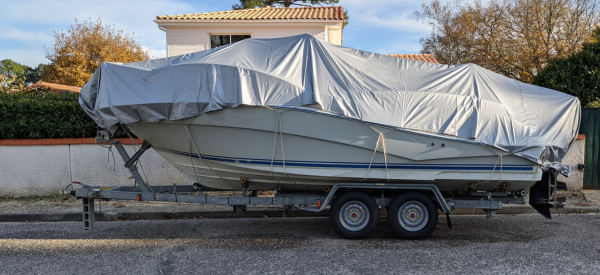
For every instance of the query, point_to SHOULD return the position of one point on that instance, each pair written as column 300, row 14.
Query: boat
column 308, row 149
column 297, row 113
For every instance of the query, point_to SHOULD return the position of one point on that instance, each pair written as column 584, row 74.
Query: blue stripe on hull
column 400, row 166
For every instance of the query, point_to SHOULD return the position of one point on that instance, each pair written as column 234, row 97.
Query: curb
column 118, row 216
column 526, row 209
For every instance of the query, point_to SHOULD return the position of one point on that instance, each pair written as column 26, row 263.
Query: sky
column 380, row 26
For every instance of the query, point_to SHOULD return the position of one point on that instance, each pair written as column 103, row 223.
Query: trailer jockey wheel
column 413, row 215
column 354, row 215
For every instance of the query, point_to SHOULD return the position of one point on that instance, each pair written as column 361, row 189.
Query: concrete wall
column 574, row 157
column 44, row 170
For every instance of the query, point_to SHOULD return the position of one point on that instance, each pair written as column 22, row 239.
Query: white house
column 194, row 32
column 187, row 33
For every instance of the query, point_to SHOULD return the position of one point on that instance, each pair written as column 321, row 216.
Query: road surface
column 519, row 244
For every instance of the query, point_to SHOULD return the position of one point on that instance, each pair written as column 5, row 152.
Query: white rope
column 278, row 127
column 108, row 155
column 199, row 156
column 500, row 158
column 373, row 157
column 382, row 139
column 385, row 156
column 280, row 123
column 274, row 143
column 139, row 161
column 190, row 154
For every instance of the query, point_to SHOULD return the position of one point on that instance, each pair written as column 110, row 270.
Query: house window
column 220, row 40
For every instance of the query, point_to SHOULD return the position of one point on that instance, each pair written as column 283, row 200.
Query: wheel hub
column 413, row 216
column 354, row 215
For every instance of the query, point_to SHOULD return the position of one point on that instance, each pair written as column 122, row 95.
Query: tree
column 12, row 69
column 33, row 75
column 16, row 74
column 515, row 38
column 250, row 4
column 12, row 75
column 578, row 74
column 76, row 54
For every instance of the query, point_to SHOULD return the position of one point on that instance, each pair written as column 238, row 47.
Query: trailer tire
column 413, row 215
column 354, row 215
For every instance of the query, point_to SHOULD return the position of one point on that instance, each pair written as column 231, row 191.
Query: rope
column 382, row 139
column 190, row 154
column 139, row 161
column 278, row 127
column 199, row 156
column 384, row 156
column 500, row 158
column 274, row 144
column 281, row 140
column 108, row 155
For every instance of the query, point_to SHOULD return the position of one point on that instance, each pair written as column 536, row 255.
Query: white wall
column 44, row 170
column 36, row 170
column 188, row 39
column 574, row 157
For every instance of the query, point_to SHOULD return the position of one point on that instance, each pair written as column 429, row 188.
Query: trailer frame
column 313, row 202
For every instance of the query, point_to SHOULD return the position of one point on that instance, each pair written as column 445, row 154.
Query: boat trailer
column 352, row 205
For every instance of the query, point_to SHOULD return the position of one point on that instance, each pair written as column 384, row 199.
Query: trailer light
column 138, row 197
column 319, row 204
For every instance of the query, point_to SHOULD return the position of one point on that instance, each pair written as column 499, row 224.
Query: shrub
column 43, row 115
column 577, row 75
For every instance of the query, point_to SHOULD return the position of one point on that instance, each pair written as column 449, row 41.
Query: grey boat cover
column 465, row 100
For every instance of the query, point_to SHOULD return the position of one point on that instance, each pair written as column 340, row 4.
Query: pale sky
column 381, row 26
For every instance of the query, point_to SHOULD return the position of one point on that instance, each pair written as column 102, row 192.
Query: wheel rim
column 354, row 215
column 413, row 216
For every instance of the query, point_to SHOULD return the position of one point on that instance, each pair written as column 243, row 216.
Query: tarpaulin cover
column 466, row 100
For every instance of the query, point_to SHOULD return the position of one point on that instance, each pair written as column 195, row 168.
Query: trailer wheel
column 413, row 215
column 354, row 215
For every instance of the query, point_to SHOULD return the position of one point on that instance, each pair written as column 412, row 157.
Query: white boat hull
column 305, row 148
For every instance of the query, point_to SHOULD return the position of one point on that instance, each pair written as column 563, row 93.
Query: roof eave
column 190, row 21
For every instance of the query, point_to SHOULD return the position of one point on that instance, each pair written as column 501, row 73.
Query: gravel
column 524, row 244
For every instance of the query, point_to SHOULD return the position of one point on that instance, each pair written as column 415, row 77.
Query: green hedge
column 43, row 115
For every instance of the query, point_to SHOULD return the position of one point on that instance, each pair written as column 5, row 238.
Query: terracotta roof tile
column 53, row 87
column 419, row 57
column 266, row 13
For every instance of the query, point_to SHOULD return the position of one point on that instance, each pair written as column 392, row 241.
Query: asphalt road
column 523, row 244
